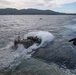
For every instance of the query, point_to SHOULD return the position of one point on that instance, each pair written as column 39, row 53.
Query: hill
column 11, row 11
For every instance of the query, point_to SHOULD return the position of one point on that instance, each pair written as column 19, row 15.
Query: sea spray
column 45, row 36
column 22, row 53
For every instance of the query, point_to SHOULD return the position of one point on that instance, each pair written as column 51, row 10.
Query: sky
column 68, row 6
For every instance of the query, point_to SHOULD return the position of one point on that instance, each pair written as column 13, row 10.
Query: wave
column 10, row 57
column 45, row 36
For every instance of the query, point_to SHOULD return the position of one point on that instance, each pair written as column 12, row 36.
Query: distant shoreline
column 37, row 14
column 11, row 11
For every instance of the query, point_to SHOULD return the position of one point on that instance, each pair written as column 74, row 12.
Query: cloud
column 57, row 3
column 44, row 4
column 4, row 2
column 61, row 2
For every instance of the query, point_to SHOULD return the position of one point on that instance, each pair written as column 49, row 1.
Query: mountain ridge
column 31, row 11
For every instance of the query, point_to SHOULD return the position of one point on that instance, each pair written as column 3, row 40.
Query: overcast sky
column 56, row 5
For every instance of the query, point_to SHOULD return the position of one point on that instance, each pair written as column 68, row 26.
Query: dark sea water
column 58, row 58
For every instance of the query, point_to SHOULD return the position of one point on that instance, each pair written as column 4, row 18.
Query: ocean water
column 57, row 58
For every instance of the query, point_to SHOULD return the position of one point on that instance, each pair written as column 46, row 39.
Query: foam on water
column 25, row 23
column 23, row 53
column 45, row 36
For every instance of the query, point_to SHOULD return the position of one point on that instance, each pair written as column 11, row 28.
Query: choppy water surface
column 58, row 58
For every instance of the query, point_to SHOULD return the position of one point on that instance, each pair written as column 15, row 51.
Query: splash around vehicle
column 34, row 39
